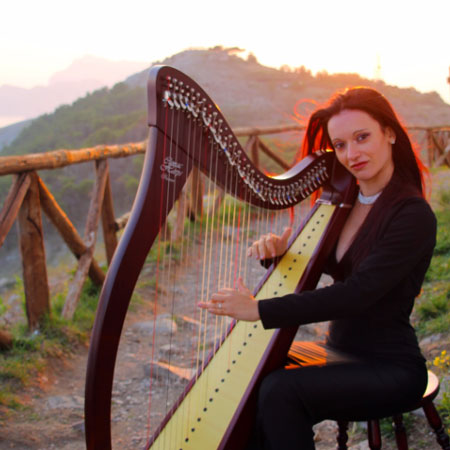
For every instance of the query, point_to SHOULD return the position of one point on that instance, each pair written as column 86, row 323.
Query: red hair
column 408, row 179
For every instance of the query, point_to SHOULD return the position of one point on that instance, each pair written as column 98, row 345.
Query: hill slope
column 247, row 92
column 251, row 94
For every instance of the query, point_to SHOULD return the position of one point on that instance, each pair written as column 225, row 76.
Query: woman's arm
column 407, row 242
column 239, row 303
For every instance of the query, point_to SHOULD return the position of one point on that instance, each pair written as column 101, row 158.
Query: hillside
column 9, row 133
column 251, row 94
column 247, row 92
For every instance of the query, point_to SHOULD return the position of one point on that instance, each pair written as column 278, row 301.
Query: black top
column 369, row 305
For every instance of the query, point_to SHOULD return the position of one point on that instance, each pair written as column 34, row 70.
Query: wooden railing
column 435, row 142
column 29, row 195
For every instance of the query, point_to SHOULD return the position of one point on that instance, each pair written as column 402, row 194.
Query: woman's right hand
column 270, row 245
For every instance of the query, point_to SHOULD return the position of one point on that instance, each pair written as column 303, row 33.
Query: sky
column 405, row 43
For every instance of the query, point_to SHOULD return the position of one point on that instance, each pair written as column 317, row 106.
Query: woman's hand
column 270, row 245
column 237, row 303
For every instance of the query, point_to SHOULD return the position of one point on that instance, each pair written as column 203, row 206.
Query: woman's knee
column 281, row 387
column 274, row 389
column 282, row 418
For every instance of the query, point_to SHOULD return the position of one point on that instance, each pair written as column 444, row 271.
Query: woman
column 378, row 265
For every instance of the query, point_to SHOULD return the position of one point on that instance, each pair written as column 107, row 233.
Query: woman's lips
column 358, row 166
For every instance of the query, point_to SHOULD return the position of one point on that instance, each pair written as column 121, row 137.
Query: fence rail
column 29, row 195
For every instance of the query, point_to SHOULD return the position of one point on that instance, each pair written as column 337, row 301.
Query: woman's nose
column 352, row 151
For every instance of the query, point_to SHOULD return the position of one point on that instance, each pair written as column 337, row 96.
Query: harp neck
column 185, row 115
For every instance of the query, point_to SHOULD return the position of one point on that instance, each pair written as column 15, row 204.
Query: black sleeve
column 266, row 263
column 408, row 237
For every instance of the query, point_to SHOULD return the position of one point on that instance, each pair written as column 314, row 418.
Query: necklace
column 369, row 199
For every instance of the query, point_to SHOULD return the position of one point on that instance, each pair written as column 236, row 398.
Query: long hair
column 408, row 178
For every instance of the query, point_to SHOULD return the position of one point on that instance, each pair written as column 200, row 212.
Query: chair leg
column 342, row 436
column 436, row 423
column 374, row 434
column 400, row 432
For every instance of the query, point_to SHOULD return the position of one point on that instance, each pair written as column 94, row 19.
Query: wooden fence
column 29, row 195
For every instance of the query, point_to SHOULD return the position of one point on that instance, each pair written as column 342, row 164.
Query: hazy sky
column 410, row 40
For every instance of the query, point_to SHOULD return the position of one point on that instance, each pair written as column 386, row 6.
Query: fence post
column 196, row 200
column 31, row 242
column 90, row 237
column 12, row 204
column 67, row 231
column 430, row 148
column 108, row 219
column 255, row 154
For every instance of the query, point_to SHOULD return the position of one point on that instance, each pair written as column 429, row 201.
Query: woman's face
column 363, row 148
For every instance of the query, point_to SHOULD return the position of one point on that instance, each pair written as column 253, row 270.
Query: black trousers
column 293, row 399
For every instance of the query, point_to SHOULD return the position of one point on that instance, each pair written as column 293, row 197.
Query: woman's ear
column 390, row 133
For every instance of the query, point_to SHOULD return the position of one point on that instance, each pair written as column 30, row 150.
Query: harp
column 187, row 130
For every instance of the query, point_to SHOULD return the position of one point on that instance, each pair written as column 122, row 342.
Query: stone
column 430, row 339
column 79, row 426
column 65, row 402
column 163, row 373
column 323, row 430
column 162, row 325
column 363, row 445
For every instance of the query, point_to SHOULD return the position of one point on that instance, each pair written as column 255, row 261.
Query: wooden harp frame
column 173, row 100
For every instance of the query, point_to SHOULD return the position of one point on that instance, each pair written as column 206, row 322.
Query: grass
column 432, row 310
column 56, row 337
column 441, row 365
column 387, row 426
column 161, row 251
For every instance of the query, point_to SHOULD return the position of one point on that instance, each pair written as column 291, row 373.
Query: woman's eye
column 338, row 145
column 362, row 137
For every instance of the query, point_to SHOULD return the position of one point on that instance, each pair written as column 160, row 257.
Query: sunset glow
column 403, row 43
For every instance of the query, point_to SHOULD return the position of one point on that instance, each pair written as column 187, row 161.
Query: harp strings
column 162, row 272
column 226, row 230
column 156, row 295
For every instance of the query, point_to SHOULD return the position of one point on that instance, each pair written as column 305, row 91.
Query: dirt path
column 53, row 417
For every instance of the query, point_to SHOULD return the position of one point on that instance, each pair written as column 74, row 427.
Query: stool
column 373, row 425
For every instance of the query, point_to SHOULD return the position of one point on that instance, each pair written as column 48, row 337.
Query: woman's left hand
column 237, row 303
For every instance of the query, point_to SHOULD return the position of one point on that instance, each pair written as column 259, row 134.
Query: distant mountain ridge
column 251, row 90
column 248, row 93
column 101, row 70
column 83, row 75
column 10, row 132
column 32, row 102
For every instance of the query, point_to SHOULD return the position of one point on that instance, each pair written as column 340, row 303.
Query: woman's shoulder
column 414, row 205
column 413, row 211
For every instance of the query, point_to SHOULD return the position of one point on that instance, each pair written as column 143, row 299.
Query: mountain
column 10, row 132
column 100, row 70
column 248, row 93
column 83, row 75
column 252, row 94
column 32, row 102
